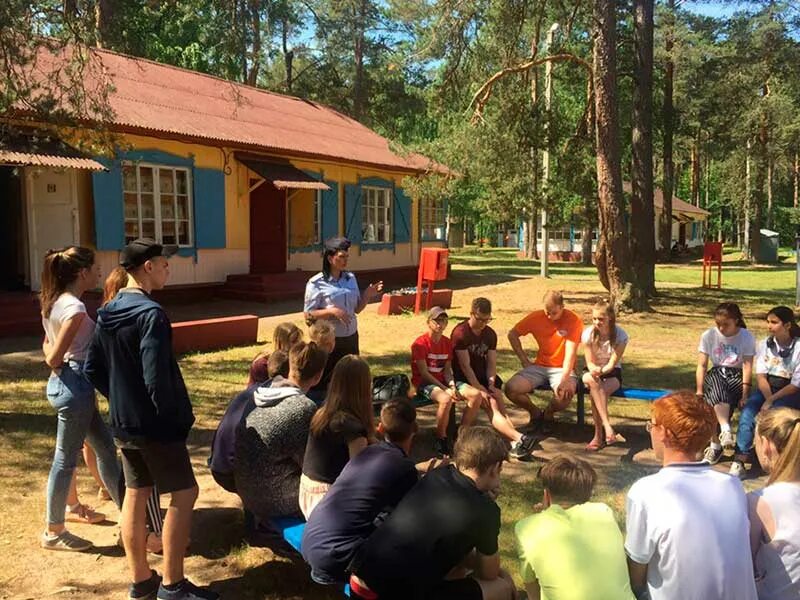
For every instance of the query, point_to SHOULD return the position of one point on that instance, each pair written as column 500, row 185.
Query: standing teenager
column 778, row 379
column 67, row 274
column 730, row 348
column 604, row 343
column 774, row 514
column 131, row 362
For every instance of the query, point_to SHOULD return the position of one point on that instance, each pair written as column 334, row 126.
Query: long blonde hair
column 350, row 390
column 611, row 317
column 61, row 269
column 781, row 426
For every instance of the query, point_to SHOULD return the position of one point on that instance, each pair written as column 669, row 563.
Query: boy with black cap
column 130, row 361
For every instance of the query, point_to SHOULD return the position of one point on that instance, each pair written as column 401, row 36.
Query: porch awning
column 29, row 148
column 283, row 175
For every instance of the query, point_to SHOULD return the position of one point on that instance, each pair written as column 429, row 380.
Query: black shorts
column 456, row 589
column 165, row 464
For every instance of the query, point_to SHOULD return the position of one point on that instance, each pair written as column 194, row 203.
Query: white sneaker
column 737, row 470
column 727, row 440
column 712, row 455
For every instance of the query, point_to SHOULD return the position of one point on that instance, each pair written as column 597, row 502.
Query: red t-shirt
column 435, row 356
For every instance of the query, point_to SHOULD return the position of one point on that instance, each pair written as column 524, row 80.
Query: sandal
column 84, row 514
column 595, row 445
column 614, row 439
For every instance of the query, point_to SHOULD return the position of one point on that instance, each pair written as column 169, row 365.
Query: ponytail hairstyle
column 116, row 280
column 286, row 335
column 786, row 315
column 611, row 316
column 61, row 269
column 731, row 310
column 781, row 426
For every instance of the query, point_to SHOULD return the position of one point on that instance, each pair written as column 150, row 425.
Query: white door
column 53, row 214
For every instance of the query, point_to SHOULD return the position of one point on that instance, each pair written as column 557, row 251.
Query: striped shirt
column 435, row 355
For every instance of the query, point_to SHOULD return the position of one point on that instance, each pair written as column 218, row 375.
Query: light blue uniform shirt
column 342, row 293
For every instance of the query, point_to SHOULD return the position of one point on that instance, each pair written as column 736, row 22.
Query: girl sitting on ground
column 774, row 515
column 778, row 378
column 284, row 337
column 339, row 430
column 730, row 347
column 604, row 344
column 323, row 334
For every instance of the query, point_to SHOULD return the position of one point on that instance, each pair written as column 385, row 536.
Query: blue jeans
column 747, row 420
column 71, row 394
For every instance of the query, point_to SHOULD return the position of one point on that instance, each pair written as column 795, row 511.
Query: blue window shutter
column 330, row 211
column 402, row 217
column 209, row 208
column 352, row 212
column 109, row 220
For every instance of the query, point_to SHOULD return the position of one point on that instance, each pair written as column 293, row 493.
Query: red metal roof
column 159, row 98
column 25, row 146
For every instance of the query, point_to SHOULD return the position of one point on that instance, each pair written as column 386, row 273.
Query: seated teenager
column 369, row 486
column 774, row 514
column 323, row 334
column 778, row 378
column 284, row 337
column 271, row 439
column 687, row 525
column 557, row 332
column 223, row 444
column 340, row 429
column 604, row 342
column 475, row 371
column 441, row 540
column 572, row 550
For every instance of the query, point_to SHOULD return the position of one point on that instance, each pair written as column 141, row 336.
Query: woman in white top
column 778, row 377
column 604, row 344
column 775, row 510
column 67, row 274
column 730, row 348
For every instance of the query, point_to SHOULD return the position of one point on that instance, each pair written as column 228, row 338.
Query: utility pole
column 544, row 261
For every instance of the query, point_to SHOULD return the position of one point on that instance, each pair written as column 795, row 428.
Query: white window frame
column 316, row 222
column 434, row 216
column 137, row 165
column 373, row 212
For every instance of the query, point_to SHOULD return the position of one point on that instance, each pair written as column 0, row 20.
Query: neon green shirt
column 574, row 554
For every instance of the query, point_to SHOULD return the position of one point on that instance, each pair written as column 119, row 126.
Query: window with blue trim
column 376, row 215
column 433, row 219
column 157, row 203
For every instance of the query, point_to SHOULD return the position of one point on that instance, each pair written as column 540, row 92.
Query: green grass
column 661, row 354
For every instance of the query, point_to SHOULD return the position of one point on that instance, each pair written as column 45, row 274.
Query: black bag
column 386, row 387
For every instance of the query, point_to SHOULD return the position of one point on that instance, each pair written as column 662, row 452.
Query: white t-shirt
column 602, row 353
column 727, row 351
column 64, row 308
column 769, row 362
column 689, row 524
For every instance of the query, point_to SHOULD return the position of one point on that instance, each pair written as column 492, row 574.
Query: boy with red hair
column 687, row 525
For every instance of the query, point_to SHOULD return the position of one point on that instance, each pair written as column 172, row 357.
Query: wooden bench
column 291, row 529
column 214, row 334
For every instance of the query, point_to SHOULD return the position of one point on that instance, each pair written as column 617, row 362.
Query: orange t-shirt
column 551, row 336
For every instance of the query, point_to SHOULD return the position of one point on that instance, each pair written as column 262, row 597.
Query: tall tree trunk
column 589, row 217
column 103, row 16
column 695, row 173
column 706, row 200
column 613, row 260
column 358, row 83
column 770, row 168
column 748, row 202
column 642, row 230
column 667, row 187
column 288, row 55
column 796, row 178
column 255, row 55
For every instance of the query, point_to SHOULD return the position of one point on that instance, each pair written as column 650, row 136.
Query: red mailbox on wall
column 432, row 267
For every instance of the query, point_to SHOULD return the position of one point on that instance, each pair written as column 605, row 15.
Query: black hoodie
column 130, row 361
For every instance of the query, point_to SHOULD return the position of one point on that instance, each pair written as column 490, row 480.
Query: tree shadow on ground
column 286, row 579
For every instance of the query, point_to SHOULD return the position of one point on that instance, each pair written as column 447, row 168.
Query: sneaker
column 145, row 590
column 83, row 513
column 441, row 447
column 185, row 590
column 523, row 447
column 712, row 455
column 737, row 469
column 727, row 440
column 65, row 541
